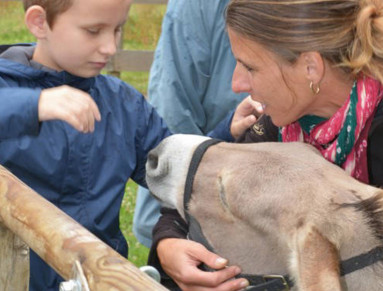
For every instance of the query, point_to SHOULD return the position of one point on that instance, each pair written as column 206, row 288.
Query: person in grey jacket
column 189, row 84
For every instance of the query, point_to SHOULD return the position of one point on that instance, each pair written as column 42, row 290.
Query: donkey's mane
column 372, row 208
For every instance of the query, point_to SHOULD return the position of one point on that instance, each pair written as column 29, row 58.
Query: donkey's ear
column 315, row 262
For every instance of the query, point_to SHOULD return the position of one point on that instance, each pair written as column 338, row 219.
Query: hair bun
column 367, row 51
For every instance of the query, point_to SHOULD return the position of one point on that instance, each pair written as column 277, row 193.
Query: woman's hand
column 180, row 259
column 245, row 116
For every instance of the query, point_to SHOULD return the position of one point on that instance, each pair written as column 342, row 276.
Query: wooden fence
column 27, row 219
column 132, row 60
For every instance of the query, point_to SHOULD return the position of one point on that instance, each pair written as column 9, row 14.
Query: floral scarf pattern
column 342, row 139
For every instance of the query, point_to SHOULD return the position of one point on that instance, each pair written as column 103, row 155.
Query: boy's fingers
column 96, row 111
column 70, row 105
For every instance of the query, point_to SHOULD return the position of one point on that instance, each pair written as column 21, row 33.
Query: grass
column 141, row 32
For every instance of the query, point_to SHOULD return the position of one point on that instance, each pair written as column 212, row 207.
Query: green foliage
column 143, row 27
column 137, row 79
column 141, row 32
column 12, row 28
column 138, row 253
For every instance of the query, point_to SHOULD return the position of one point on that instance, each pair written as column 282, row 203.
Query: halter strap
column 196, row 159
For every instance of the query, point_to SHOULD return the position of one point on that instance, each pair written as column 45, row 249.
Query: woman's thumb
column 212, row 260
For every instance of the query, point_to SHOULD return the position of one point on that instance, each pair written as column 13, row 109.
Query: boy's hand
column 70, row 105
column 246, row 114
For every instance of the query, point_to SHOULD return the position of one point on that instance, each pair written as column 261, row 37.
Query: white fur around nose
column 167, row 181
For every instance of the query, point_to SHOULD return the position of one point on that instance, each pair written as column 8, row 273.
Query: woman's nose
column 240, row 81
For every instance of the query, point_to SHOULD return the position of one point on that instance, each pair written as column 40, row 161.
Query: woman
column 316, row 67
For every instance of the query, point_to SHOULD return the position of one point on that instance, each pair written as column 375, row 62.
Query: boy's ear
column 35, row 20
column 314, row 66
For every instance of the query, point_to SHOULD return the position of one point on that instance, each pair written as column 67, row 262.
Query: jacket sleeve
column 222, row 130
column 169, row 225
column 151, row 130
column 18, row 111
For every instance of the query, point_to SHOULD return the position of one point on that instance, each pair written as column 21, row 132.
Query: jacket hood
column 16, row 62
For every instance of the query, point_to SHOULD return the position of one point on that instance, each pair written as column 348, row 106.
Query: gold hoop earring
column 314, row 90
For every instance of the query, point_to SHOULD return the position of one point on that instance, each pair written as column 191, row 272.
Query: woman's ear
column 35, row 20
column 314, row 66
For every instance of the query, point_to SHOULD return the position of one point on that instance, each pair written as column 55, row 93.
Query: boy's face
column 84, row 37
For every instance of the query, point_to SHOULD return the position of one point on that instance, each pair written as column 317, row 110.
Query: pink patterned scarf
column 342, row 139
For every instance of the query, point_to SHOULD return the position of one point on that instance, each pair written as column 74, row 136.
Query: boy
column 71, row 134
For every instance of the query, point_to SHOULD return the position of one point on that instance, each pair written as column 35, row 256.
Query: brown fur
column 372, row 208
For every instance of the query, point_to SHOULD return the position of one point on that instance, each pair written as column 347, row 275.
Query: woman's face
column 281, row 87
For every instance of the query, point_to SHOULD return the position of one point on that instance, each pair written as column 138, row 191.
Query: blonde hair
column 52, row 7
column 347, row 33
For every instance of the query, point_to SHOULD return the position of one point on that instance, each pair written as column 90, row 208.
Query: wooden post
column 60, row 241
column 14, row 261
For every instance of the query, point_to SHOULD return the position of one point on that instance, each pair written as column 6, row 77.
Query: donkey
column 280, row 211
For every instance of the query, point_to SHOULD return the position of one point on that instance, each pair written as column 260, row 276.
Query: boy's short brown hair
column 51, row 7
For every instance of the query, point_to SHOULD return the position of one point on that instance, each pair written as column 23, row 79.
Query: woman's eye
column 248, row 68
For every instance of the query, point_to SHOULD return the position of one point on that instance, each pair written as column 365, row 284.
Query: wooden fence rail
column 58, row 240
column 132, row 60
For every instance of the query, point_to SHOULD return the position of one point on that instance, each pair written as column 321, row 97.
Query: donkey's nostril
column 152, row 160
column 157, row 165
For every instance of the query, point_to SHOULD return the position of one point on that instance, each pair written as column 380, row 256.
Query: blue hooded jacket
column 82, row 174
